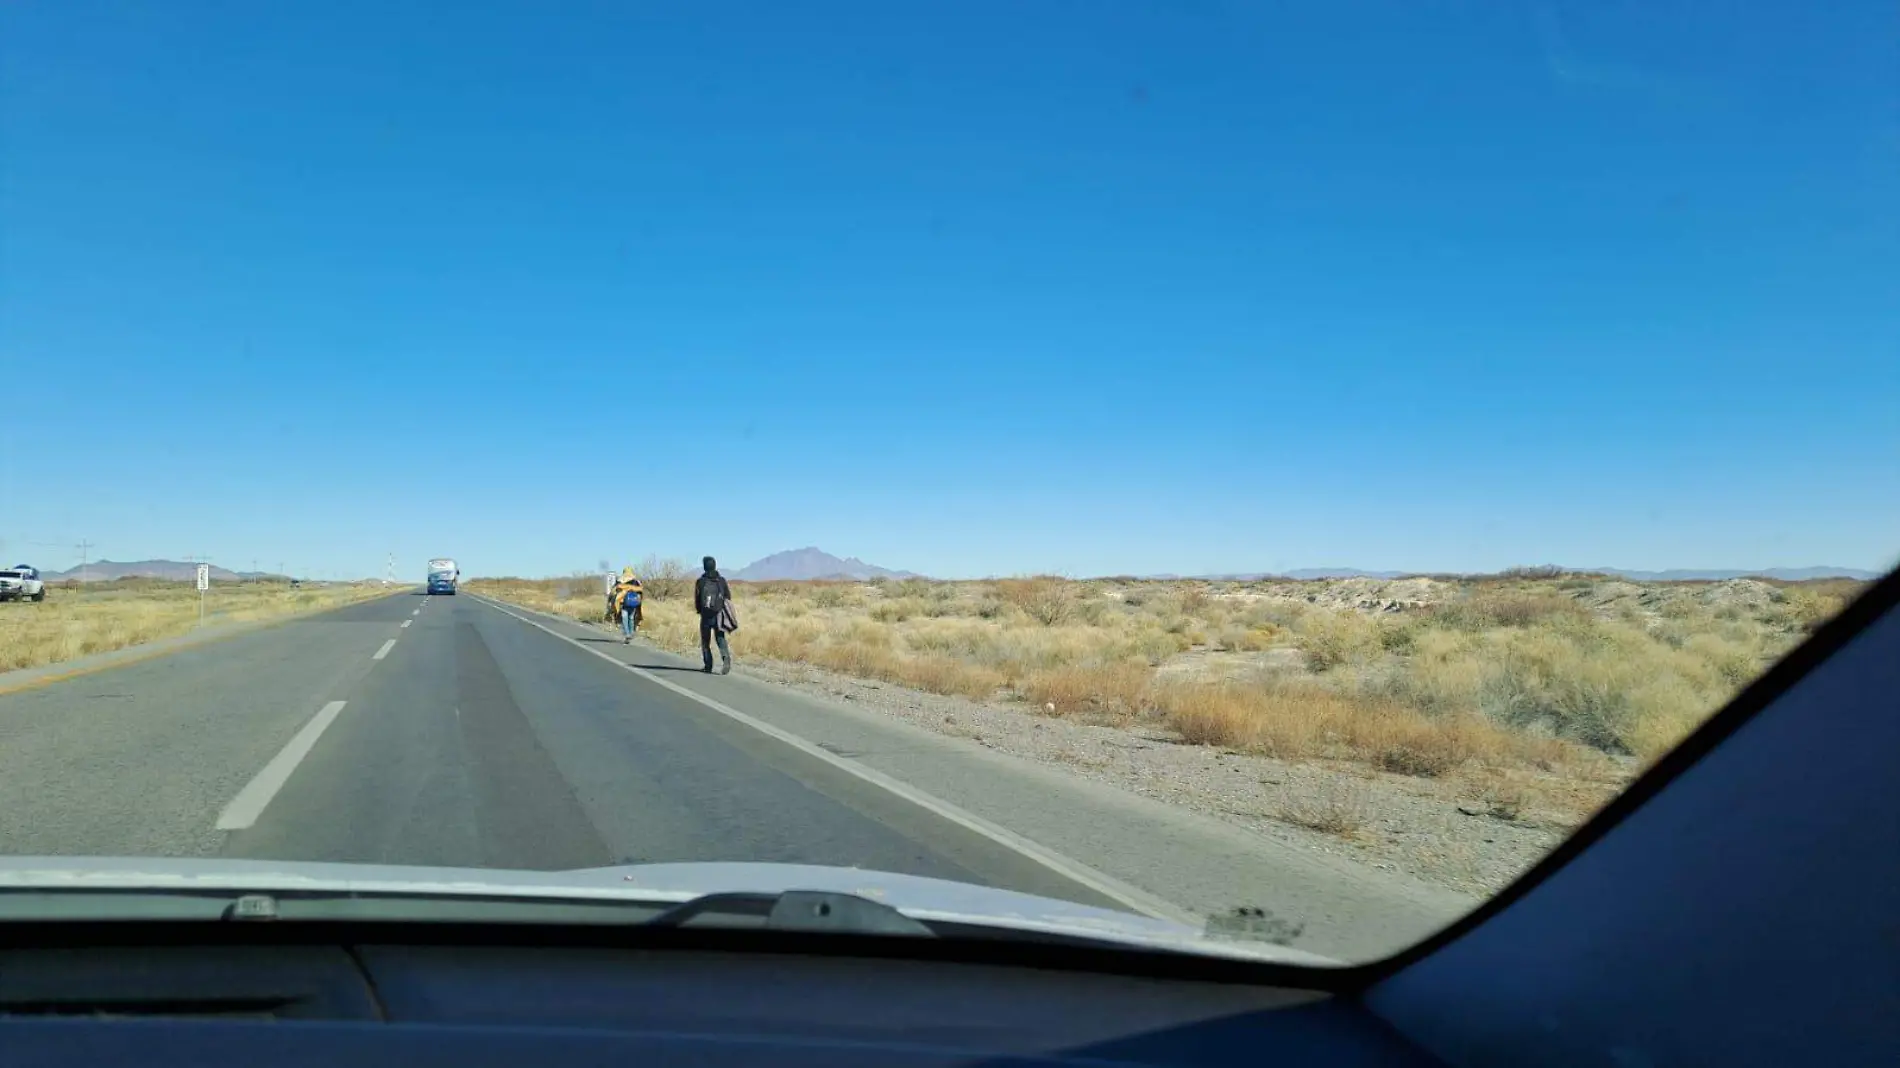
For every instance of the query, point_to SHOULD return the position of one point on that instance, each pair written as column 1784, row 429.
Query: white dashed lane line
column 249, row 804
column 250, row 801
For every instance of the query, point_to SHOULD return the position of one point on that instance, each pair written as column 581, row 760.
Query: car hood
column 915, row 896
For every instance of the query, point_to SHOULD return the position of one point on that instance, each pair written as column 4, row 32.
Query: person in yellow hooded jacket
column 627, row 598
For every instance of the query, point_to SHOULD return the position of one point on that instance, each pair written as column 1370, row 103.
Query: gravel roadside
column 1425, row 828
column 1388, row 822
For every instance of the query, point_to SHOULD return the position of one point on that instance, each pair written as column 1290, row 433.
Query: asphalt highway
column 438, row 730
column 460, row 732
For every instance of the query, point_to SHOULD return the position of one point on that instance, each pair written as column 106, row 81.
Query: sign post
column 204, row 583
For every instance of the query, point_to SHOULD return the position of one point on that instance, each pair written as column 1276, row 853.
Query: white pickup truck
column 21, row 583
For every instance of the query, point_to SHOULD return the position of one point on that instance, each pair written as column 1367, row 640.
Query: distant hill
column 177, row 570
column 812, row 563
column 1340, row 572
column 1302, row 573
column 1786, row 574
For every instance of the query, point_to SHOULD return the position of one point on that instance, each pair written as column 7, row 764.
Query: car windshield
column 1222, row 475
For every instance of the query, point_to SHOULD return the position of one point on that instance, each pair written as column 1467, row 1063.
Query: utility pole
column 85, row 557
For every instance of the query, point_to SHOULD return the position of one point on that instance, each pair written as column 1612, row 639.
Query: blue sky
column 967, row 288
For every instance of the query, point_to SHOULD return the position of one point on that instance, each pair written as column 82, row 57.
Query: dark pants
column 708, row 630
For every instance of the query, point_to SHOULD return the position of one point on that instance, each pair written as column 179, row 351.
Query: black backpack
column 712, row 595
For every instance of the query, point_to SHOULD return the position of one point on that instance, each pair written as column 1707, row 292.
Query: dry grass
column 1536, row 689
column 76, row 621
column 1338, row 805
column 1299, row 718
column 1112, row 692
column 581, row 597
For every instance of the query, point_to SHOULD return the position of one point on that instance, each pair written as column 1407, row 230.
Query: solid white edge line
column 1074, row 870
column 250, row 801
column 384, row 651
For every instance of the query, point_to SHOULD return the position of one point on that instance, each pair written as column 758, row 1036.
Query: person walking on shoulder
column 713, row 597
column 627, row 598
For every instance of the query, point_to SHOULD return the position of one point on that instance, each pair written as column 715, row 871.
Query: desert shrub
column 1048, row 601
column 1401, row 741
column 939, row 608
column 1673, row 633
column 1334, row 805
column 898, row 610
column 1152, row 645
column 855, row 658
column 948, row 675
column 1485, row 609
column 1204, row 714
column 833, row 595
column 1331, row 639
column 1114, row 689
column 1732, row 662
column 1286, row 615
column 1805, row 609
column 664, row 578
column 1618, row 690
column 1239, row 639
column 1398, row 636
column 1441, row 676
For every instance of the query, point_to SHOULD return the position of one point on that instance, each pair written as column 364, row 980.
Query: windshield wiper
column 799, row 910
column 790, row 910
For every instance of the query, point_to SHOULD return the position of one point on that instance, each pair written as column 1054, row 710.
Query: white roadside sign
column 204, row 577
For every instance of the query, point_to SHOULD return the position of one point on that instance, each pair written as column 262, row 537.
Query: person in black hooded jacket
column 710, row 595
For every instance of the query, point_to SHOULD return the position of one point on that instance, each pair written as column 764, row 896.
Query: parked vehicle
column 22, row 582
column 443, row 575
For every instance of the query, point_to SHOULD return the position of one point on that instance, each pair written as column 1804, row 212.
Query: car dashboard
column 461, row 1002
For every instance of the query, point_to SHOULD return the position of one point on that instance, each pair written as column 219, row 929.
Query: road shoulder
column 1346, row 909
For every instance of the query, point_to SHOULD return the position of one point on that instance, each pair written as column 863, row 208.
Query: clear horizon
column 977, row 289
column 731, row 566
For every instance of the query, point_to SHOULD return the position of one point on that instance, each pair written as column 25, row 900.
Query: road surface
column 455, row 731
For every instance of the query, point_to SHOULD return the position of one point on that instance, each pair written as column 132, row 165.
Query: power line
column 84, row 546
